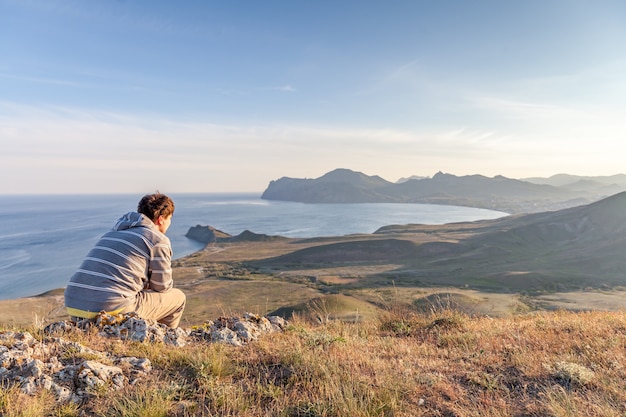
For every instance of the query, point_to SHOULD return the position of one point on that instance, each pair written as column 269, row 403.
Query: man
column 130, row 268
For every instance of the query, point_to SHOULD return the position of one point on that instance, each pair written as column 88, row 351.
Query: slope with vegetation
column 441, row 363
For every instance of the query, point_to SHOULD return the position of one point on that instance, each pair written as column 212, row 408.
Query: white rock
column 92, row 374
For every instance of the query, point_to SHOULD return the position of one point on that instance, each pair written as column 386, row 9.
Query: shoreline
column 233, row 213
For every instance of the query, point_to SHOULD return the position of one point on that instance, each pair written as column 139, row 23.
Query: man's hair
column 155, row 205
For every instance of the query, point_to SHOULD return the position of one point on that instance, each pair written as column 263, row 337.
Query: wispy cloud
column 44, row 80
column 63, row 144
column 286, row 88
column 117, row 14
column 409, row 75
column 522, row 110
column 402, row 71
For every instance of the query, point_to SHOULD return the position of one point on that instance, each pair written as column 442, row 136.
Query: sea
column 43, row 238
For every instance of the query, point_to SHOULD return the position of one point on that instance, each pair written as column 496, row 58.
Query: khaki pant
column 164, row 307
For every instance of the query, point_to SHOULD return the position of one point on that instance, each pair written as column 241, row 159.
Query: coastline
column 44, row 238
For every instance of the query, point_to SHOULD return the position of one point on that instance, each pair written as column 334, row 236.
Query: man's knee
column 179, row 297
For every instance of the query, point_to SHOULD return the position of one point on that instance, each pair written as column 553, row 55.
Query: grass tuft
column 142, row 402
column 572, row 374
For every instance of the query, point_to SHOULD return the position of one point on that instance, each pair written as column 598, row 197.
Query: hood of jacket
column 133, row 219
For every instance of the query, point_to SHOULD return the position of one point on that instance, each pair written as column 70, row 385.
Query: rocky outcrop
column 206, row 234
column 209, row 234
column 72, row 371
column 54, row 364
column 237, row 331
column 248, row 236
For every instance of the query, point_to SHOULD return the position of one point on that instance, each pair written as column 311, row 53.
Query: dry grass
column 442, row 363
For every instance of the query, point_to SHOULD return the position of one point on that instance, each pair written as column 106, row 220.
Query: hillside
column 497, row 193
column 440, row 363
column 570, row 249
column 573, row 248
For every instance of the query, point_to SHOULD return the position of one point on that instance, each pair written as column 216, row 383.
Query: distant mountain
column 497, row 193
column 412, row 177
column 338, row 186
column 561, row 180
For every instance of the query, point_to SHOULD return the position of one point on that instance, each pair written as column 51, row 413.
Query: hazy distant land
column 567, row 259
column 530, row 195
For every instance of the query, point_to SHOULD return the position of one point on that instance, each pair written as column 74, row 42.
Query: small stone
column 246, row 331
column 94, row 374
column 278, row 322
column 34, row 368
column 175, row 337
column 139, row 364
column 225, row 335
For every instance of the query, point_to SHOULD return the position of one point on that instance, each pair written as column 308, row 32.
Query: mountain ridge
column 497, row 193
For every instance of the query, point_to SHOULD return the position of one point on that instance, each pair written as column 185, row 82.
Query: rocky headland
column 209, row 234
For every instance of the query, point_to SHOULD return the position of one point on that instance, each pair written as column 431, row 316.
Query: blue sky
column 107, row 96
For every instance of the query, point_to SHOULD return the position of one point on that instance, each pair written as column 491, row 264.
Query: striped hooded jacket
column 132, row 257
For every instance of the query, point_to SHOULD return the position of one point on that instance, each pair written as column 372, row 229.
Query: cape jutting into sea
column 43, row 238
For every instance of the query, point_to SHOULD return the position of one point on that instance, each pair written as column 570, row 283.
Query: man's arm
column 160, row 268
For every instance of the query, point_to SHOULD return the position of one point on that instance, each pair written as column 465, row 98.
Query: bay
column 43, row 238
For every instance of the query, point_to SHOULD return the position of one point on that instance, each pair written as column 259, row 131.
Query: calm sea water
column 43, row 239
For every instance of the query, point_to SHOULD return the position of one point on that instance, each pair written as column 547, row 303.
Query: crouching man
column 130, row 269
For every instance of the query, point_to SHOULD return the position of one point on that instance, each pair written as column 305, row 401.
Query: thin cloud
column 282, row 88
column 285, row 88
column 44, row 80
column 403, row 71
column 119, row 15
column 522, row 110
column 74, row 148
